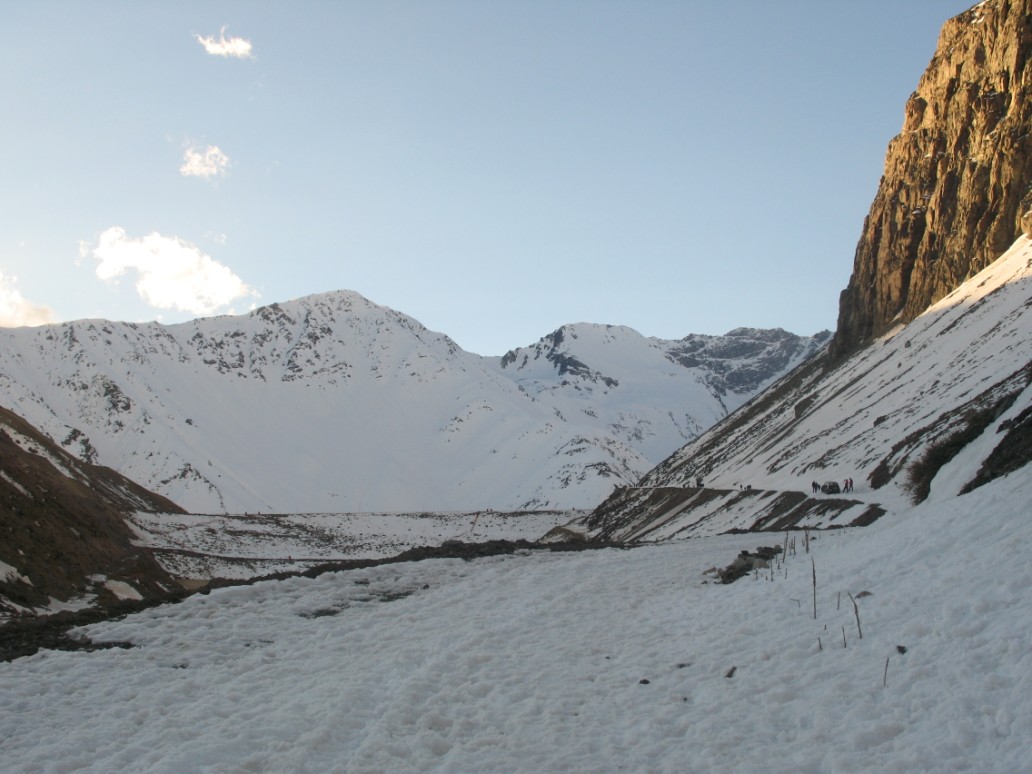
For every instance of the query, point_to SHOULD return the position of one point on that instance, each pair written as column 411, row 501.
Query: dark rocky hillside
column 65, row 541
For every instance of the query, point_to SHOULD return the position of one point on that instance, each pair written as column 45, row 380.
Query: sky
column 493, row 169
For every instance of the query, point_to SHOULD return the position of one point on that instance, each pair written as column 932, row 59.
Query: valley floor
column 239, row 546
column 611, row 660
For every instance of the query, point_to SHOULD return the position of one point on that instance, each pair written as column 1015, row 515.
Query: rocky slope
column 332, row 403
column 65, row 541
column 957, row 179
column 933, row 410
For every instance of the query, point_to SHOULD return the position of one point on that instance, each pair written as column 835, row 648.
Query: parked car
column 831, row 487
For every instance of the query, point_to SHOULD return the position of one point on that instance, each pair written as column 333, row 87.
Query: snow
column 4, row 475
column 604, row 660
column 122, row 590
column 29, row 445
column 74, row 605
column 9, row 574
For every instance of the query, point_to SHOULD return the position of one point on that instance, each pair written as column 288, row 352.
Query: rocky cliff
column 957, row 178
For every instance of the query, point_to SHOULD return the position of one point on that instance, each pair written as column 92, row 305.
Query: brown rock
column 957, row 178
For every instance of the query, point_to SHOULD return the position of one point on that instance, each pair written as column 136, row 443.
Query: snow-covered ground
column 252, row 545
column 610, row 660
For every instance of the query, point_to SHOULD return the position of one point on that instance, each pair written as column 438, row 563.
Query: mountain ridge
column 334, row 403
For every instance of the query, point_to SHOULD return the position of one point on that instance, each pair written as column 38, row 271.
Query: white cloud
column 207, row 163
column 16, row 311
column 238, row 48
column 172, row 274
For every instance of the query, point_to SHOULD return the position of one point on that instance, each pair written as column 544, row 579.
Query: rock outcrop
column 957, row 178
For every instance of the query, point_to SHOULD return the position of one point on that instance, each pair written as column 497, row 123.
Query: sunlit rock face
column 957, row 180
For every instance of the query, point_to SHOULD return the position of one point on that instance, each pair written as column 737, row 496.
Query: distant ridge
column 333, row 403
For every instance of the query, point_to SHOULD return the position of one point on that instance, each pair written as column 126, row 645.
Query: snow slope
column 957, row 378
column 331, row 403
column 597, row 661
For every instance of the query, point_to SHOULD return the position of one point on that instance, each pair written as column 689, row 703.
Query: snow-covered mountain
column 932, row 409
column 333, row 403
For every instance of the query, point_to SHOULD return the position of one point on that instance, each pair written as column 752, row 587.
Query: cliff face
column 957, row 180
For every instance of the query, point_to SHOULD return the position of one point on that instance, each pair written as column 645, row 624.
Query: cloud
column 238, row 48
column 208, row 163
column 16, row 311
column 172, row 274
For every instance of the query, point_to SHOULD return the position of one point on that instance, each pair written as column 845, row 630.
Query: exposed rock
column 956, row 188
column 746, row 562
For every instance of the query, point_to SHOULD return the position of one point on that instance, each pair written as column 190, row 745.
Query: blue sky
column 494, row 169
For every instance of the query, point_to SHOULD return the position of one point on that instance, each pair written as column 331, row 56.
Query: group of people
column 847, row 486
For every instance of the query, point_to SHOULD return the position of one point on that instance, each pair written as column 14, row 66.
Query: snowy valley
column 900, row 646
column 610, row 660
column 882, row 629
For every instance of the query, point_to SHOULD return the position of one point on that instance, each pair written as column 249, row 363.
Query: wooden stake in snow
column 885, row 677
column 814, row 568
column 856, row 612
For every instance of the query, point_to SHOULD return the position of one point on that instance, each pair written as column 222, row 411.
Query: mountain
column 66, row 544
column 924, row 392
column 956, row 180
column 332, row 403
